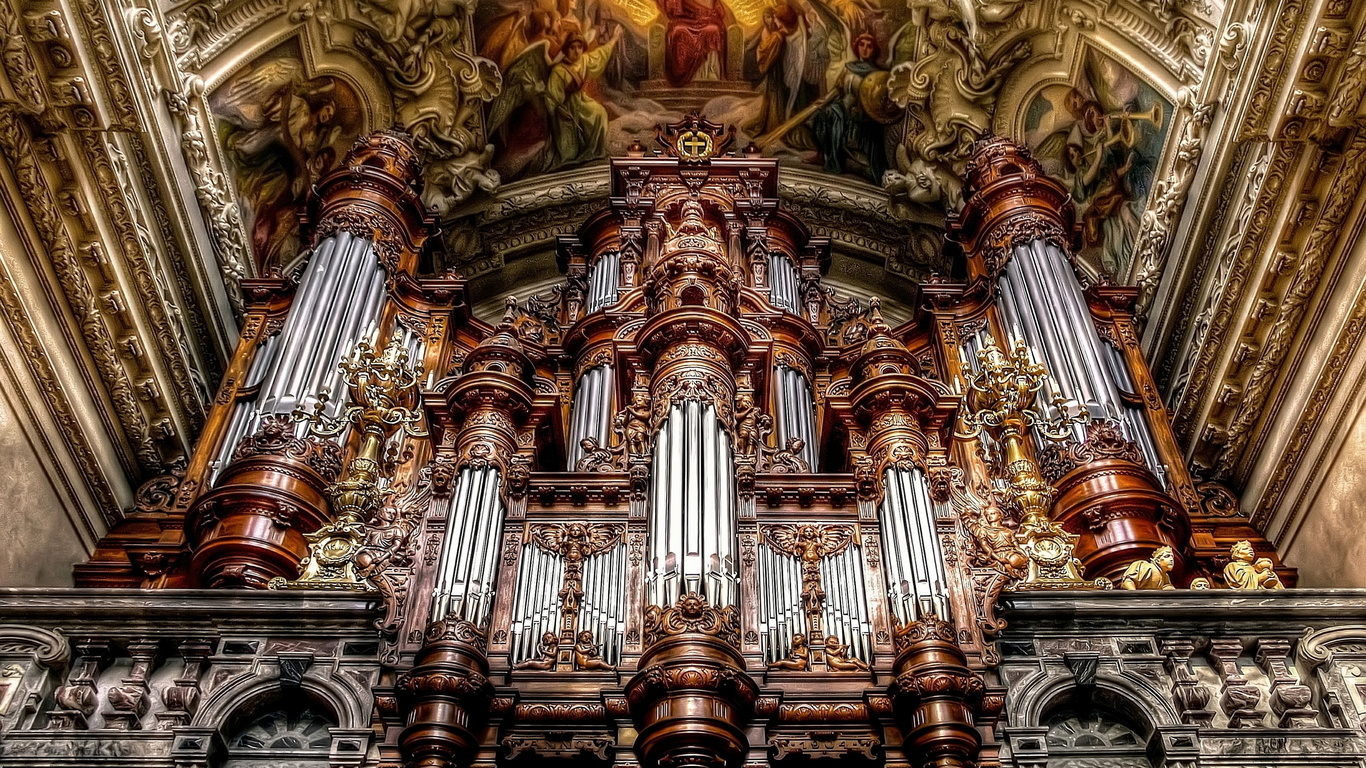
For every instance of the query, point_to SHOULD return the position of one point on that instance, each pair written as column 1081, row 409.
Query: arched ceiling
column 869, row 104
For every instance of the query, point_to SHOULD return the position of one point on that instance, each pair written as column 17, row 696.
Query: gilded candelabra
column 1001, row 402
column 383, row 401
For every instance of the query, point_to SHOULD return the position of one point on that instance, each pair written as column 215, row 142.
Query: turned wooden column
column 937, row 699
column 445, row 695
column 691, row 699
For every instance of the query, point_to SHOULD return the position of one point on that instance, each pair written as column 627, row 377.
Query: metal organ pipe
column 796, row 409
column 603, row 279
column 782, row 283
column 911, row 553
column 1040, row 296
column 339, row 297
column 693, row 523
column 468, row 566
column 592, row 411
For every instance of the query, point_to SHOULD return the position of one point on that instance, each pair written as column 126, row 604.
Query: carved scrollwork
column 692, row 614
column 1020, row 230
column 460, row 630
column 1104, row 440
column 276, row 438
column 930, row 627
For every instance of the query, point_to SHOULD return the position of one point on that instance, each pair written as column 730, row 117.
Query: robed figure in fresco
column 578, row 122
column 694, row 40
column 846, row 129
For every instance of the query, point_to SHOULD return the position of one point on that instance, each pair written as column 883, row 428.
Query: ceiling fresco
column 1102, row 135
column 282, row 131
column 873, row 104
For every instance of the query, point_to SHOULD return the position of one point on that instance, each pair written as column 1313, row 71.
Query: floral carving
column 1104, row 440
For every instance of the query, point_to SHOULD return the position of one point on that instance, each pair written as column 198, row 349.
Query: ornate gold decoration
column 1245, row 572
column 1001, row 402
column 810, row 544
column 1154, row 573
column 383, row 393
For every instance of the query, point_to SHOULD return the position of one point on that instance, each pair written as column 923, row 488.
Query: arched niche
column 279, row 727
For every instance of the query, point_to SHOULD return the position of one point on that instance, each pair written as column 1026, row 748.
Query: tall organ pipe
column 592, row 411
column 693, row 525
column 782, row 281
column 339, row 298
column 464, row 586
column 796, row 409
column 603, row 279
column 912, row 556
column 1042, row 301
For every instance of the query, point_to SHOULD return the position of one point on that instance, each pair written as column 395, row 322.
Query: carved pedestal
column 691, row 699
column 250, row 528
column 937, row 698
column 443, row 697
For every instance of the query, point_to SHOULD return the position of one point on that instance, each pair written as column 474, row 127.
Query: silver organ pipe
column 468, row 567
column 536, row 607
column 244, row 411
column 796, row 411
column 780, row 604
column 782, row 283
column 604, row 601
column 693, row 516
column 338, row 302
column 845, row 613
column 914, row 563
column 594, row 404
column 1042, row 302
column 603, row 279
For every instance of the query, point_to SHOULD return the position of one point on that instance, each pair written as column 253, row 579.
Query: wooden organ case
column 692, row 507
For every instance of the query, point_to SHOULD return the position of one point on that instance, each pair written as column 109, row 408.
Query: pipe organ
column 693, row 498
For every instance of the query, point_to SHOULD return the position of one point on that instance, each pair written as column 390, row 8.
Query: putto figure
column 1245, row 572
column 1154, row 573
column 798, row 659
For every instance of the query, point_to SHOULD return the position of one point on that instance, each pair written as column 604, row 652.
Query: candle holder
column 1001, row 403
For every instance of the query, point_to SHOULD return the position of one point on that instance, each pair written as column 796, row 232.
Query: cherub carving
column 1243, row 572
column 387, row 547
column 632, row 423
column 798, row 659
column 545, row 658
column 789, row 461
column 747, row 416
column 810, row 544
column 586, row 653
column 838, row 658
column 596, row 458
column 574, row 543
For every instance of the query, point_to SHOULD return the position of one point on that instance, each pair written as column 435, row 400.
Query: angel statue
column 546, row 116
column 284, row 132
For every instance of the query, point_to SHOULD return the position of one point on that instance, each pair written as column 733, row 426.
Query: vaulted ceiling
column 158, row 153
